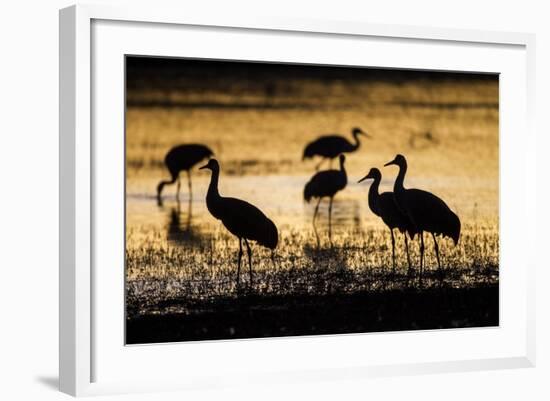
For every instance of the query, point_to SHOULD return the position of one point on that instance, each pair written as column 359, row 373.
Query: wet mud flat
column 251, row 315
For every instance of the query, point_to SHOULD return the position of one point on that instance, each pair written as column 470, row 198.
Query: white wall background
column 29, row 199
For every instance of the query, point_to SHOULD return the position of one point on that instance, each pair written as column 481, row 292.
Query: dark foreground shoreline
column 253, row 316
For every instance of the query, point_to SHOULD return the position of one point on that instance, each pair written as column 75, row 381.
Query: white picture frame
column 80, row 342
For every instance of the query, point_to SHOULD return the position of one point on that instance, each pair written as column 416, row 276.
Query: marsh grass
column 186, row 290
column 164, row 279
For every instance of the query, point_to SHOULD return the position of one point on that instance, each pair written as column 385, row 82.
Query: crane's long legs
column 392, row 250
column 239, row 263
column 249, row 260
column 330, row 220
column 178, row 189
column 421, row 254
column 437, row 255
column 436, row 251
column 314, row 217
column 161, row 186
column 408, row 255
column 159, row 198
column 189, row 208
column 189, row 184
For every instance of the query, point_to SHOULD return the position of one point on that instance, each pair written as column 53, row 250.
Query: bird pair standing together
column 411, row 211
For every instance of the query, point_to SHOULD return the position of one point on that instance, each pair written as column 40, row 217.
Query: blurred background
column 257, row 118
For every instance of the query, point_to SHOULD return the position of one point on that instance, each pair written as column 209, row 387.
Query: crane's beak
column 366, row 135
column 364, row 178
column 390, row 163
column 203, row 167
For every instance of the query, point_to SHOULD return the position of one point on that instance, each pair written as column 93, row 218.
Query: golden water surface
column 447, row 129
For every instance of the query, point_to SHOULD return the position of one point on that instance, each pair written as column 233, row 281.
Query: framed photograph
column 249, row 199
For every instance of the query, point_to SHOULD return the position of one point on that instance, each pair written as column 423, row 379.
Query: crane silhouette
column 383, row 205
column 243, row 220
column 330, row 146
column 426, row 211
column 182, row 158
column 326, row 184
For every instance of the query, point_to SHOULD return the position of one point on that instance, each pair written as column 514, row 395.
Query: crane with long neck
column 331, row 146
column 182, row 158
column 326, row 184
column 242, row 219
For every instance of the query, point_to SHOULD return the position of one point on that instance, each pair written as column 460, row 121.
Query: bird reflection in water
column 183, row 232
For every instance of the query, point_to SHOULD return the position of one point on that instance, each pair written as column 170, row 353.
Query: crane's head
column 358, row 131
column 398, row 161
column 212, row 165
column 374, row 174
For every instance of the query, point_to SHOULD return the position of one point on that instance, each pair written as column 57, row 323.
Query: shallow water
column 280, row 198
column 448, row 130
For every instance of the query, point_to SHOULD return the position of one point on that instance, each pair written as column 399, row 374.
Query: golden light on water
column 447, row 128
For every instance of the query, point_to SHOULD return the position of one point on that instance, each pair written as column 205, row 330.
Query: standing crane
column 426, row 211
column 182, row 158
column 383, row 205
column 243, row 220
column 326, row 184
column 330, row 146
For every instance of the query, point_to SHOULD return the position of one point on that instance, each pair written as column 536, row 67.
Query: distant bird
column 383, row 205
column 423, row 140
column 426, row 211
column 183, row 158
column 330, row 146
column 326, row 184
column 242, row 219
